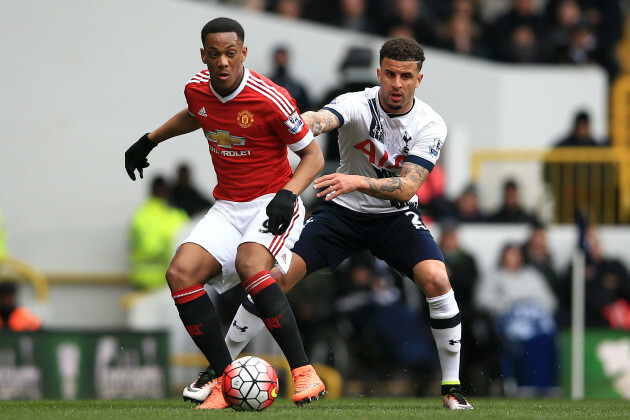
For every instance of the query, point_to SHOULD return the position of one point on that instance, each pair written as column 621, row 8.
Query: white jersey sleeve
column 347, row 107
column 427, row 144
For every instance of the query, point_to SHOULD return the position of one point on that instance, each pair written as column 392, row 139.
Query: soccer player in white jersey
column 248, row 122
column 389, row 141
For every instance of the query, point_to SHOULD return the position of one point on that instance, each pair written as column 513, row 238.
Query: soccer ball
column 250, row 384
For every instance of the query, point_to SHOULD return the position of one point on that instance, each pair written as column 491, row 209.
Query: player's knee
column 433, row 280
column 179, row 277
column 246, row 267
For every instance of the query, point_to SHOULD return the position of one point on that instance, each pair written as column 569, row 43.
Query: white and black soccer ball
column 250, row 384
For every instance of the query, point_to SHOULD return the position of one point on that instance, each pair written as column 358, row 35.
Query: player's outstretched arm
column 321, row 121
column 136, row 155
column 178, row 124
column 400, row 188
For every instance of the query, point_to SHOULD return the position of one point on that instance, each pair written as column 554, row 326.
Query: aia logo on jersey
column 294, row 123
column 245, row 118
column 437, row 146
column 224, row 139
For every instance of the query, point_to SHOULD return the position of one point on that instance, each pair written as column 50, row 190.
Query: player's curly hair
column 402, row 49
column 223, row 24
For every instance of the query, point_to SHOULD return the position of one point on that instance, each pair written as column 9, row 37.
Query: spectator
column 410, row 14
column 511, row 210
column 431, row 195
column 581, row 187
column 462, row 36
column 282, row 77
column 580, row 134
column 522, row 305
column 185, row 196
column 480, row 360
column 465, row 208
column 562, row 18
column 12, row 316
column 607, row 287
column 353, row 14
column 370, row 298
column 290, row 9
column 357, row 73
column 153, row 230
column 537, row 254
column 520, row 27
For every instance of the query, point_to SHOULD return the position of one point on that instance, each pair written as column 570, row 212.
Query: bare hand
column 337, row 184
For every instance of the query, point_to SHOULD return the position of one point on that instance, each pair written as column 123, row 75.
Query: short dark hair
column 223, row 24
column 402, row 49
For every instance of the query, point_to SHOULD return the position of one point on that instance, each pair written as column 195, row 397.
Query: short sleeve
column 346, row 107
column 425, row 148
column 289, row 125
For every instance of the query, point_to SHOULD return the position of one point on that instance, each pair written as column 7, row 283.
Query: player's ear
column 243, row 54
column 203, row 55
column 378, row 73
column 420, row 76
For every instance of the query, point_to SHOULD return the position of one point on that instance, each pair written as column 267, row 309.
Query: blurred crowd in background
column 365, row 319
column 511, row 31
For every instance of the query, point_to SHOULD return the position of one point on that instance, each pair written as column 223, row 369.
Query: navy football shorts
column 333, row 233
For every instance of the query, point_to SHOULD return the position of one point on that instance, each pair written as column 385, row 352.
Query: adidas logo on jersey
column 202, row 112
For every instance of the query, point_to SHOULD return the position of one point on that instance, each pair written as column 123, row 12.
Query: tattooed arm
column 321, row 121
column 400, row 188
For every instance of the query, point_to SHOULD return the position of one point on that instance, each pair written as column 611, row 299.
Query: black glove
column 280, row 211
column 136, row 156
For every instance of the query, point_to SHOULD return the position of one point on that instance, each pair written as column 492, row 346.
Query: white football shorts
column 229, row 224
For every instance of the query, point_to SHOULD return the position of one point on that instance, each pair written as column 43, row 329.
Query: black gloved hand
column 280, row 211
column 136, row 156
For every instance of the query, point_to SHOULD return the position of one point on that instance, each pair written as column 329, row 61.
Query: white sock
column 446, row 328
column 244, row 327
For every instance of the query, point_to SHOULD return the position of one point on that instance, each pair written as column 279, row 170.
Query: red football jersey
column 248, row 133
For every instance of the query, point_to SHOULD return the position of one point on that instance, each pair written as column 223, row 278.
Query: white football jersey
column 375, row 144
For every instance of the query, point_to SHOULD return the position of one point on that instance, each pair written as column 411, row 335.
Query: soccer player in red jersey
column 248, row 122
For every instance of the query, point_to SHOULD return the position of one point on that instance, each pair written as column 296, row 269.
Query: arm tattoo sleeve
column 410, row 180
column 321, row 121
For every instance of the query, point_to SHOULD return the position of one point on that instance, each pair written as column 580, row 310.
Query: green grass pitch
column 357, row 408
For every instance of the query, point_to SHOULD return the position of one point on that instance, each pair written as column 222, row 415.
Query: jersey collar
column 238, row 90
column 393, row 114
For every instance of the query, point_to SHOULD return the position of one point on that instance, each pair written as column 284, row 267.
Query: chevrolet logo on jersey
column 224, row 139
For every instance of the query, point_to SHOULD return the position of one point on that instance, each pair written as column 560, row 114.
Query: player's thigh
column 217, row 236
column 328, row 238
column 404, row 241
column 278, row 246
column 297, row 271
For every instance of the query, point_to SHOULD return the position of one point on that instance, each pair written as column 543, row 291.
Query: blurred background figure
column 518, row 35
column 353, row 14
column 184, row 195
column 290, row 9
column 356, row 73
column 465, row 207
column 152, row 233
column 511, row 210
column 410, row 15
column 581, row 187
column 580, row 134
column 431, row 197
column 536, row 253
column 480, row 366
column 386, row 333
column 284, row 78
column 12, row 316
column 607, row 286
column 522, row 305
column 461, row 35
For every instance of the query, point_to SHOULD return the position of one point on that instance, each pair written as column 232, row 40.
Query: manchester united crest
column 245, row 118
